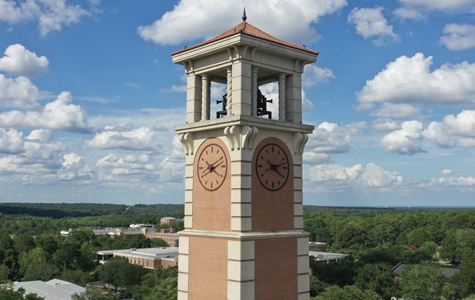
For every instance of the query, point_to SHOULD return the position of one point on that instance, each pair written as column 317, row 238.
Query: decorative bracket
column 249, row 134
column 232, row 134
column 187, row 141
column 300, row 139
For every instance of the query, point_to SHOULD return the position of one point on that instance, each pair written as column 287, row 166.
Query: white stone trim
column 302, row 246
column 243, row 182
column 184, row 243
column 241, row 224
column 239, row 196
column 189, row 196
column 298, row 222
column 246, row 235
column 188, row 209
column 184, row 296
column 188, row 222
column 183, row 263
column 298, row 183
column 302, row 264
column 298, row 171
column 303, row 283
column 241, row 290
column 298, row 209
column 241, row 250
column 240, row 210
column 305, row 296
column 241, row 270
column 241, row 168
column 189, row 171
column 189, row 183
column 298, row 197
column 183, row 282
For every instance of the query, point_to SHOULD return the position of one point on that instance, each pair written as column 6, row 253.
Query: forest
column 426, row 240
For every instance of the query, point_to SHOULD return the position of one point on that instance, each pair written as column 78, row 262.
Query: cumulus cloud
column 358, row 175
column 18, row 92
column 407, row 13
column 11, row 141
column 385, row 125
column 19, row 61
column 453, row 130
column 50, row 15
column 57, row 115
column 405, row 141
column 458, row 36
column 329, row 138
column 287, row 19
column 396, row 111
column 313, row 75
column 409, row 80
column 140, row 139
column 442, row 5
column 370, row 23
column 446, row 172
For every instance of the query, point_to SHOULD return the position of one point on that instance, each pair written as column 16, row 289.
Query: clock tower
column 243, row 236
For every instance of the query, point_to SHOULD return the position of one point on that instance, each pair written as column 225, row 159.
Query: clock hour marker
column 284, row 168
column 272, row 149
column 262, row 157
column 267, row 152
column 211, row 149
column 259, row 166
column 267, row 181
column 262, row 175
column 283, row 159
column 211, row 185
column 200, row 168
column 278, row 181
column 223, row 166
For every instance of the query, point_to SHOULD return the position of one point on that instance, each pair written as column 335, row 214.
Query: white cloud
column 370, row 22
column 409, row 80
column 287, row 19
column 51, row 15
column 385, row 125
column 57, row 115
column 407, row 13
column 442, row 5
column 329, row 138
column 458, row 37
column 358, row 175
column 313, row 75
column 140, row 139
column 18, row 92
column 453, row 130
column 11, row 141
column 446, row 172
column 405, row 141
column 396, row 111
column 18, row 60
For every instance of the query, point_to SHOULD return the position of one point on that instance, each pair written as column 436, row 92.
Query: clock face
column 212, row 167
column 272, row 167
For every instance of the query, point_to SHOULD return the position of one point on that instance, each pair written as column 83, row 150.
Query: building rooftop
column 146, row 253
column 327, row 255
column 54, row 289
column 247, row 29
column 447, row 272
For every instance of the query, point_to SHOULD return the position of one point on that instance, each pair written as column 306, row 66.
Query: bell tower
column 243, row 236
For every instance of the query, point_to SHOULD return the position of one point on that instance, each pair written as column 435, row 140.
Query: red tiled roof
column 248, row 29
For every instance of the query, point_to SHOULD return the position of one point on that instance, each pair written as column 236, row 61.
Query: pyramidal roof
column 248, row 29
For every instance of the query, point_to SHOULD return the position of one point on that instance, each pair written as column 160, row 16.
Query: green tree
column 349, row 292
column 119, row 272
column 48, row 243
column 67, row 255
column 316, row 286
column 423, row 281
column 94, row 294
column 378, row 278
column 159, row 284
column 23, row 243
column 159, row 243
column 465, row 280
column 6, row 242
column 77, row 276
column 7, row 292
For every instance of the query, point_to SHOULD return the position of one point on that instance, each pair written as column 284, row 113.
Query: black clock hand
column 275, row 168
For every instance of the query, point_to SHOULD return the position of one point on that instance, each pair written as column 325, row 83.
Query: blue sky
column 89, row 97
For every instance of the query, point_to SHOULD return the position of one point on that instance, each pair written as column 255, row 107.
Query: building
column 54, row 289
column 116, row 231
column 243, row 236
column 447, row 272
column 168, row 235
column 149, row 258
column 318, row 246
column 326, row 257
column 168, row 220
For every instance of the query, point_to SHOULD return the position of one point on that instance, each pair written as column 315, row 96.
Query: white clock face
column 212, row 167
column 272, row 167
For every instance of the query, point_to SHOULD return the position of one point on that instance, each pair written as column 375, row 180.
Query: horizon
column 89, row 98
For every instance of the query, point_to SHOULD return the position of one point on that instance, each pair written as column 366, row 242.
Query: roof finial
column 244, row 18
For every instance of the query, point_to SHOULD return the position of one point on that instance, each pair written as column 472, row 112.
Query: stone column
column 229, row 107
column 254, row 91
column 282, row 97
column 205, row 101
column 193, row 98
column 241, row 88
column 293, row 98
